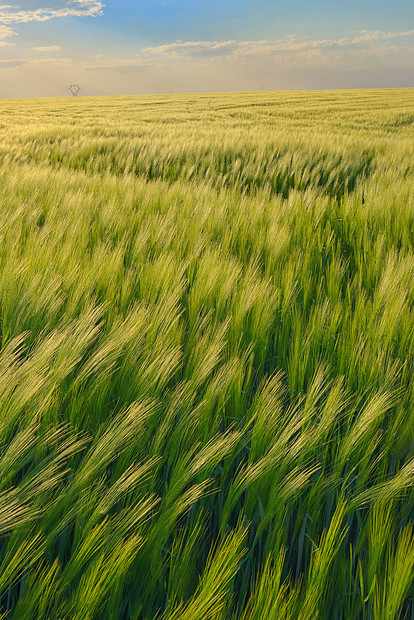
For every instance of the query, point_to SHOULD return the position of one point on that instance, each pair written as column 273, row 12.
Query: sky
column 119, row 47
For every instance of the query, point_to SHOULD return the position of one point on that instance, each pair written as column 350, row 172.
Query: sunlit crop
column 207, row 357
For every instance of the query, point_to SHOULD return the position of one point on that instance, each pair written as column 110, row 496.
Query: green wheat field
column 207, row 357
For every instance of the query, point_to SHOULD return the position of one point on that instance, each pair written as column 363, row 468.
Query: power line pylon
column 74, row 89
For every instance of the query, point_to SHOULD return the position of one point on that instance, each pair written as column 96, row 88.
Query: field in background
column 207, row 356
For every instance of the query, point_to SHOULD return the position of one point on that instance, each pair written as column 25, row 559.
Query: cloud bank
column 368, row 40
column 289, row 53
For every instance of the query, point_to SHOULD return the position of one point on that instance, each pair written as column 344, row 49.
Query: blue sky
column 155, row 46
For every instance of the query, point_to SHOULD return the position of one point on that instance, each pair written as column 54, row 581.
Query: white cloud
column 48, row 61
column 28, row 11
column 6, row 32
column 369, row 36
column 47, row 49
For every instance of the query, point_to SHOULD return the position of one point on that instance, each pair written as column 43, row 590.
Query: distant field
column 207, row 357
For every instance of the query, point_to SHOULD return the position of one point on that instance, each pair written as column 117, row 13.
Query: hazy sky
column 155, row 46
